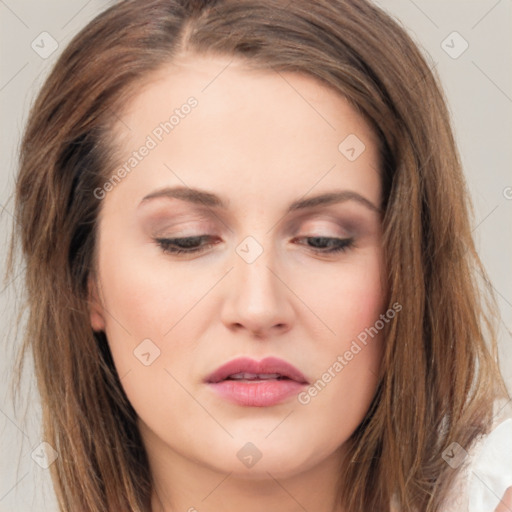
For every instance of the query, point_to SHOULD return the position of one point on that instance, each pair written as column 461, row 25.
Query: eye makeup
column 181, row 229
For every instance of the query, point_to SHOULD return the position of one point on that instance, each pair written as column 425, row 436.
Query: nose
column 258, row 299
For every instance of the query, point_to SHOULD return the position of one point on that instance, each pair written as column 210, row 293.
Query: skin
column 260, row 140
column 505, row 504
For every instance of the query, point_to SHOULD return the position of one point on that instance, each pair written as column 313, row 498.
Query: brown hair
column 439, row 376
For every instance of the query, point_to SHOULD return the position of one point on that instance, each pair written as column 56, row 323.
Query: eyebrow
column 196, row 196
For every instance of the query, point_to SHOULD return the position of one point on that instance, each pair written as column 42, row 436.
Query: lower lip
column 258, row 393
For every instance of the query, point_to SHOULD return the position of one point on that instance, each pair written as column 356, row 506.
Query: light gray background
column 478, row 84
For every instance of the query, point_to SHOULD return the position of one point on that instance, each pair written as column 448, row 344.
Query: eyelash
column 171, row 245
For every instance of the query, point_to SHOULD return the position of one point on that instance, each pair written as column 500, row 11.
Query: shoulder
column 486, row 471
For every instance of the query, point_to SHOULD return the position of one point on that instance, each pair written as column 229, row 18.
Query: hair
column 439, row 370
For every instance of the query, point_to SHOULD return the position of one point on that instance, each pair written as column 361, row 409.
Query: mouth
column 257, row 376
column 251, row 383
column 245, row 369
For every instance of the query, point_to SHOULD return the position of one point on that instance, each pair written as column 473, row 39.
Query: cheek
column 151, row 325
column 349, row 298
column 145, row 298
column 351, row 302
column 150, row 317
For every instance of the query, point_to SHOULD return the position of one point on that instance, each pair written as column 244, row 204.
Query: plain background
column 478, row 84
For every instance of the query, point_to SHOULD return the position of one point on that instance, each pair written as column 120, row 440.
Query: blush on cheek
column 359, row 305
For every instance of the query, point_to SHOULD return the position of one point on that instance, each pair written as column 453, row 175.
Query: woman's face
column 266, row 173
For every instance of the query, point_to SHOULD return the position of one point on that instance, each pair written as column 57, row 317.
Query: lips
column 249, row 383
column 251, row 370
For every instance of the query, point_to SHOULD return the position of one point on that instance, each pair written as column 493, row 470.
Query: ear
column 96, row 314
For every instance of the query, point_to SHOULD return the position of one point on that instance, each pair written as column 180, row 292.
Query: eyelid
column 330, row 228
column 337, row 245
column 167, row 224
column 183, row 229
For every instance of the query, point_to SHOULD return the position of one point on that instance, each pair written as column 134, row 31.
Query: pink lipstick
column 251, row 383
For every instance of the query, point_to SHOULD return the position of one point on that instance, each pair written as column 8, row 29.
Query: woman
column 247, row 239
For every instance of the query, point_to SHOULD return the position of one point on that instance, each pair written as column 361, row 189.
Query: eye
column 197, row 244
column 187, row 245
column 328, row 245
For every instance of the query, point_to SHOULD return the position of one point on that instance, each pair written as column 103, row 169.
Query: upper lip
column 269, row 365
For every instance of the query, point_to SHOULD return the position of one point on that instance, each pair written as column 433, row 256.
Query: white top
column 486, row 471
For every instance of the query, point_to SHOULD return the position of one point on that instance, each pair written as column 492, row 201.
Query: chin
column 254, row 460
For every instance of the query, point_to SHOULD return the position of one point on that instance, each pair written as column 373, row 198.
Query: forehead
column 248, row 128
column 223, row 81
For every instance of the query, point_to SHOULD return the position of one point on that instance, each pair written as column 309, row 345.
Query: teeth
column 255, row 376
